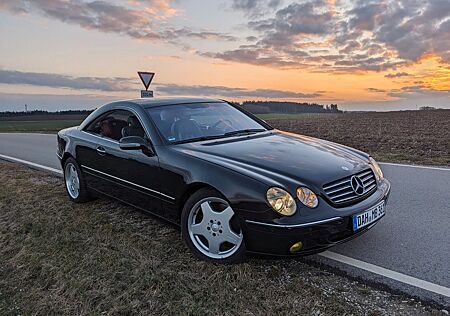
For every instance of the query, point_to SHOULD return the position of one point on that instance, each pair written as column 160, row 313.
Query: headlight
column 376, row 168
column 307, row 197
column 281, row 201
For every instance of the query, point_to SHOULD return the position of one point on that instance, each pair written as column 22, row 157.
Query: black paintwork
column 242, row 168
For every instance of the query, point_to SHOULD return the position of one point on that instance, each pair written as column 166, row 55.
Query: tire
column 74, row 182
column 210, row 228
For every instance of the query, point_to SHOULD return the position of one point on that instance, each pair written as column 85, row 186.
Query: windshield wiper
column 244, row 132
column 229, row 134
column 197, row 139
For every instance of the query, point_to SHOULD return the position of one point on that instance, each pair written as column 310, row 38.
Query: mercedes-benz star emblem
column 357, row 185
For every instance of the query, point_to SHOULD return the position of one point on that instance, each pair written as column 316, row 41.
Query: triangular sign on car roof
column 146, row 78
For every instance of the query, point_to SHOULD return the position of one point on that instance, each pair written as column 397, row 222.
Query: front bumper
column 276, row 238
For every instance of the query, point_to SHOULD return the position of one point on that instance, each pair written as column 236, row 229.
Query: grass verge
column 58, row 257
column 45, row 126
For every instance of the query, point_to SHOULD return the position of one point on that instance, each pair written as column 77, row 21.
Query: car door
column 128, row 175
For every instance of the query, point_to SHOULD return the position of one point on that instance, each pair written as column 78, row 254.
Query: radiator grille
column 342, row 190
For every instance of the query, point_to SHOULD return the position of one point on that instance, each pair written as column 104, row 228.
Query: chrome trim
column 343, row 188
column 295, row 225
column 345, row 199
column 136, row 185
column 335, row 185
column 58, row 155
column 343, row 194
column 365, row 173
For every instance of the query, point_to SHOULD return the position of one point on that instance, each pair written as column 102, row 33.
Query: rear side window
column 115, row 125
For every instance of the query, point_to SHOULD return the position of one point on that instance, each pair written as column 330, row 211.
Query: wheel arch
column 64, row 158
column 190, row 190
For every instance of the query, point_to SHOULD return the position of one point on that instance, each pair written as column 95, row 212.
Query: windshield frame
column 263, row 123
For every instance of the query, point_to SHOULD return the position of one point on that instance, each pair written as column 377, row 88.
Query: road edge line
column 31, row 164
column 403, row 278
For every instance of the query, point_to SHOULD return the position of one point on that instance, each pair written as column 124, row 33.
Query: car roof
column 158, row 101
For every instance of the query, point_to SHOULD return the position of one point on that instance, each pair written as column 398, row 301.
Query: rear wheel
column 211, row 229
column 74, row 182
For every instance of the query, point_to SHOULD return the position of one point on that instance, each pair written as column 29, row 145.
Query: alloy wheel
column 212, row 228
column 72, row 180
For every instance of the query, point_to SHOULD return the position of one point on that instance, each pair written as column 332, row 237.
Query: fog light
column 296, row 247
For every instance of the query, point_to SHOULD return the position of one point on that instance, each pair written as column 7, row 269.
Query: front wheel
column 74, row 182
column 211, row 229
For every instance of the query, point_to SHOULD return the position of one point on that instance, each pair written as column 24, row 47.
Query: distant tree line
column 41, row 112
column 428, row 108
column 261, row 107
column 257, row 107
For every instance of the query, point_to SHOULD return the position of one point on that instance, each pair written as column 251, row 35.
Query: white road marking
column 32, row 164
column 403, row 278
column 413, row 166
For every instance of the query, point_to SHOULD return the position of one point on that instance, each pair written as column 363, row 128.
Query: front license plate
column 368, row 217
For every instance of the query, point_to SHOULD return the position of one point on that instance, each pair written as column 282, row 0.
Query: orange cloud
column 159, row 8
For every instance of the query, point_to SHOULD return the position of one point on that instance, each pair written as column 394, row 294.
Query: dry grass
column 421, row 137
column 57, row 257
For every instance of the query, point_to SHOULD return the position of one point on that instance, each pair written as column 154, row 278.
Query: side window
column 116, row 124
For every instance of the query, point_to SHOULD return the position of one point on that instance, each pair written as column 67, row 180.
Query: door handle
column 101, row 151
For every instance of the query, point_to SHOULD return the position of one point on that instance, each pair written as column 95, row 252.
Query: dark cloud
column 255, row 7
column 363, row 15
column 398, row 75
column 139, row 23
column 64, row 81
column 254, row 56
column 203, row 90
column 133, row 84
column 296, row 19
column 418, row 92
column 376, row 90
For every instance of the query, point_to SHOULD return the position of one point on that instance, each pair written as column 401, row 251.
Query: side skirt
column 146, row 211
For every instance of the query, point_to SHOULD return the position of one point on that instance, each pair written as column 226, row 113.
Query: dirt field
column 57, row 258
column 420, row 137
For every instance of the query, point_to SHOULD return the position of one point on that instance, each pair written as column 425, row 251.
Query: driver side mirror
column 136, row 143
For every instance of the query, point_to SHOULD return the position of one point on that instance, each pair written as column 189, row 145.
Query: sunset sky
column 362, row 55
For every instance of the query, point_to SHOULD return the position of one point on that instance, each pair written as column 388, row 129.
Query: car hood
column 280, row 156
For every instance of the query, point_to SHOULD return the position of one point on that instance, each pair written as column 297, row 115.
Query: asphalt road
column 412, row 239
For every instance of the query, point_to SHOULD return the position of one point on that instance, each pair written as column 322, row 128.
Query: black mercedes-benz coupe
column 232, row 182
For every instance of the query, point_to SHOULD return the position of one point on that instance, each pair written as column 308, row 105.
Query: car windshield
column 183, row 123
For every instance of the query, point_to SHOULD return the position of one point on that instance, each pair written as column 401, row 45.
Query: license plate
column 366, row 218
